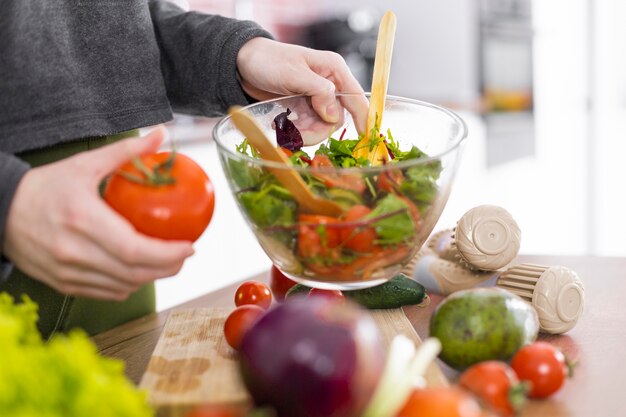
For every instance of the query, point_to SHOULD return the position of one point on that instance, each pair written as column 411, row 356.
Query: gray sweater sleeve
column 198, row 57
column 12, row 170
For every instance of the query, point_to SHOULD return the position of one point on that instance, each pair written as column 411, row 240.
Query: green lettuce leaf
column 395, row 229
column 62, row 378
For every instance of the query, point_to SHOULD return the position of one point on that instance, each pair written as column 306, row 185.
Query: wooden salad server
column 380, row 80
column 289, row 178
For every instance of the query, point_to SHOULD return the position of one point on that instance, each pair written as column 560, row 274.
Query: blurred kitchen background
column 541, row 85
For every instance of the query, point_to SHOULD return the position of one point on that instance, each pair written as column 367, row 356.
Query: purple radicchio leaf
column 287, row 134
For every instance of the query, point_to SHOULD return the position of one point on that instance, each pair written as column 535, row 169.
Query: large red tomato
column 164, row 195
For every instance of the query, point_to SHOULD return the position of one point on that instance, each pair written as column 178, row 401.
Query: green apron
column 59, row 312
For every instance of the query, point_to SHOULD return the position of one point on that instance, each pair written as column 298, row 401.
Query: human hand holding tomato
column 60, row 231
column 164, row 195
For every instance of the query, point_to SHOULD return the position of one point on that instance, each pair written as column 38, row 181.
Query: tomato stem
column 518, row 394
column 159, row 174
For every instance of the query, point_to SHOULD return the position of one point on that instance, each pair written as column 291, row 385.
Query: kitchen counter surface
column 596, row 343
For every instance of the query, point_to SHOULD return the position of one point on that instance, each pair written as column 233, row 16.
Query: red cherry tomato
column 440, row 402
column 330, row 294
column 390, row 179
column 239, row 322
column 349, row 181
column 315, row 240
column 253, row 292
column 279, row 283
column 358, row 238
column 543, row 365
column 496, row 384
column 175, row 204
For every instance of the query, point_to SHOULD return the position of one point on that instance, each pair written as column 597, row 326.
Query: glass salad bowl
column 387, row 209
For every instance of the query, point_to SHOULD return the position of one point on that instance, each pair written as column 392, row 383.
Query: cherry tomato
column 239, row 322
column 286, row 151
column 349, row 181
column 279, row 283
column 253, row 292
column 389, row 179
column 176, row 202
column 440, row 402
column 358, row 238
column 335, row 295
column 314, row 239
column 496, row 384
column 543, row 365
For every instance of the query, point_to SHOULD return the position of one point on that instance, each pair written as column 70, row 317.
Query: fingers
column 334, row 68
column 106, row 159
column 84, row 261
column 322, row 92
column 131, row 248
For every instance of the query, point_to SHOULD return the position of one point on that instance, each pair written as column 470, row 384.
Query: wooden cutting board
column 192, row 363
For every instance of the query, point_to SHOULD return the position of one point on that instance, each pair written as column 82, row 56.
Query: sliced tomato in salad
column 359, row 238
column 390, row 180
column 348, row 181
column 362, row 267
column 315, row 239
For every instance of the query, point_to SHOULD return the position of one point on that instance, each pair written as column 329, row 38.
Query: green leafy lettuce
column 396, row 228
column 271, row 206
column 62, row 378
column 420, row 184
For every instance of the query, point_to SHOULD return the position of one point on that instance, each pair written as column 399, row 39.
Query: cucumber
column 397, row 292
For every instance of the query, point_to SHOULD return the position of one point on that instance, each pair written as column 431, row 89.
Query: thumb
column 322, row 93
column 106, row 159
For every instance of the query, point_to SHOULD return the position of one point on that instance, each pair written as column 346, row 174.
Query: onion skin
column 313, row 357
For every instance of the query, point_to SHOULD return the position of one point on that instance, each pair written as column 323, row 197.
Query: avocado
column 397, row 292
column 482, row 324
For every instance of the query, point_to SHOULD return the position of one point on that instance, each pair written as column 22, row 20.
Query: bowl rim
column 458, row 140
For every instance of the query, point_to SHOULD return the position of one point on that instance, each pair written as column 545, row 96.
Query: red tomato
column 358, row 238
column 389, row 179
column 316, row 240
column 215, row 411
column 440, row 402
column 239, row 322
column 496, row 384
column 279, row 283
column 543, row 365
column 253, row 292
column 349, row 181
column 330, row 294
column 176, row 204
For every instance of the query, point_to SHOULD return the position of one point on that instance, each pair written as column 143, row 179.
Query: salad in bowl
column 389, row 185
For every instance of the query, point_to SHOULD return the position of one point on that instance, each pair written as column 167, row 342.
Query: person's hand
column 61, row 232
column 269, row 69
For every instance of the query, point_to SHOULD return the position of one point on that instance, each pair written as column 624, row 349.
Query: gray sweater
column 80, row 68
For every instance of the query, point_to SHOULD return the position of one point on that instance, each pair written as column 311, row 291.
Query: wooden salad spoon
column 380, row 80
column 288, row 177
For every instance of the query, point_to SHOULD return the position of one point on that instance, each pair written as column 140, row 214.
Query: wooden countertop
column 596, row 343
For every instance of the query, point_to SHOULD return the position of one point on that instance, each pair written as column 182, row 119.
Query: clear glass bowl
column 399, row 202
